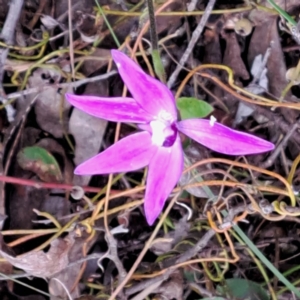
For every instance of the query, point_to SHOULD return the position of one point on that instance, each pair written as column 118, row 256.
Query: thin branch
column 47, row 185
column 61, row 85
column 71, row 46
column 8, row 31
column 195, row 36
column 7, row 35
column 270, row 161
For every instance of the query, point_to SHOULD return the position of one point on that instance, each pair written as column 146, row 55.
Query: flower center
column 165, row 116
column 158, row 135
column 163, row 129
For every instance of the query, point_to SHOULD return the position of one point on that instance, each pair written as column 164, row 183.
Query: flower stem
column 158, row 66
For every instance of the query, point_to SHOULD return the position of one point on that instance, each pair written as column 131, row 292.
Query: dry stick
column 61, row 85
column 149, row 289
column 269, row 162
column 49, row 185
column 37, row 14
column 7, row 35
column 277, row 120
column 144, row 284
column 145, row 249
column 8, row 30
column 17, row 127
column 195, row 36
column 146, row 25
column 71, row 38
column 111, row 241
column 201, row 244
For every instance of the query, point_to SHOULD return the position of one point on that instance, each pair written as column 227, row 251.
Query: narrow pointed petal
column 150, row 93
column 129, row 154
column 165, row 169
column 220, row 138
column 120, row 109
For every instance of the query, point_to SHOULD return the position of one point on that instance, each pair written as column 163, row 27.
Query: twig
column 37, row 14
column 8, row 30
column 7, row 277
column 277, row 120
column 202, row 243
column 19, row 120
column 7, row 35
column 145, row 249
column 195, row 36
column 61, row 85
column 71, row 38
column 269, row 162
column 84, row 259
column 169, row 264
column 142, row 285
column 147, row 291
column 63, row 16
column 113, row 255
column 48, row 185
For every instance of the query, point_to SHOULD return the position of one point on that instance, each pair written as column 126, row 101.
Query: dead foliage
column 245, row 63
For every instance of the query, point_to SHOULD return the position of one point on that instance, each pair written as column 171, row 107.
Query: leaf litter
column 243, row 70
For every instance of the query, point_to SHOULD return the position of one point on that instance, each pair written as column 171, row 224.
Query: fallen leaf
column 68, row 276
column 49, row 22
column 265, row 36
column 88, row 131
column 232, row 56
column 54, row 147
column 173, row 287
column 258, row 86
column 39, row 161
column 39, row 263
column 90, row 66
column 51, row 109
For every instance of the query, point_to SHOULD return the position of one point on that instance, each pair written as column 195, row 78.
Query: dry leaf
column 232, row 56
column 39, row 263
column 50, row 104
column 69, row 275
column 88, row 131
column 265, row 36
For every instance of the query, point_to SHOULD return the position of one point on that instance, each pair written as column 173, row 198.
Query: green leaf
column 40, row 161
column 190, row 108
column 242, row 289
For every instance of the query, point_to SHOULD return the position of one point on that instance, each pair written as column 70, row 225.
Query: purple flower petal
column 118, row 109
column 220, row 138
column 165, row 169
column 150, row 93
column 130, row 153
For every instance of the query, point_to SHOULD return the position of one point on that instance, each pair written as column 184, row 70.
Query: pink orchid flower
column 158, row 146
